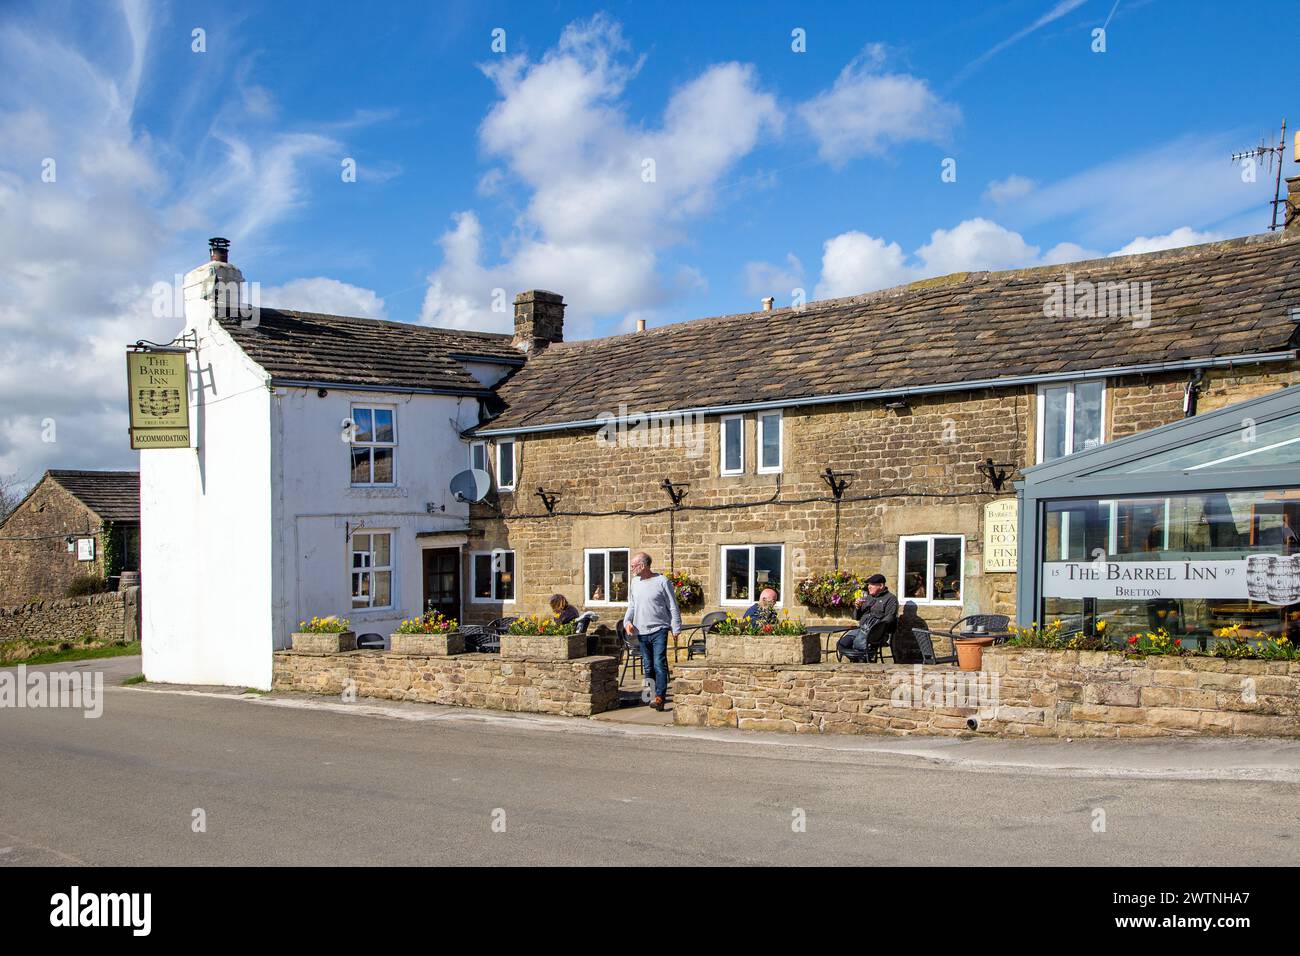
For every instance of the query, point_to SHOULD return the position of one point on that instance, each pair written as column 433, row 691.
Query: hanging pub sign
column 158, row 393
column 1272, row 579
column 1000, row 531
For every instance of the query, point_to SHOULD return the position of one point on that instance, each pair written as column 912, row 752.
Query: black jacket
column 883, row 607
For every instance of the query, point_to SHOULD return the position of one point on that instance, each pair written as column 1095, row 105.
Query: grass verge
column 74, row 654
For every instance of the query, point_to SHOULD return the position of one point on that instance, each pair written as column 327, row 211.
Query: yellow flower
column 1101, row 625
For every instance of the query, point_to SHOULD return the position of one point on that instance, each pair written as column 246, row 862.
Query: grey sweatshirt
column 652, row 606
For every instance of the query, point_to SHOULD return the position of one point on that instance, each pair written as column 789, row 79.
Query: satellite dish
column 471, row 485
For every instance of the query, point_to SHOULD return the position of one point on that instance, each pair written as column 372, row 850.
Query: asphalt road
column 294, row 785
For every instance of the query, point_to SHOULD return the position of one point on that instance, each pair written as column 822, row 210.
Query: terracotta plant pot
column 970, row 651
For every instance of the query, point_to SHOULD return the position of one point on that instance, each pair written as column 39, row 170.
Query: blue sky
column 774, row 170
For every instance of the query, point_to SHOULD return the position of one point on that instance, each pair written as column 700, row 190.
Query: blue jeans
column 654, row 659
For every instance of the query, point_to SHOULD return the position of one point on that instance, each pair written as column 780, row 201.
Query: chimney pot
column 640, row 325
column 767, row 304
column 219, row 249
column 539, row 320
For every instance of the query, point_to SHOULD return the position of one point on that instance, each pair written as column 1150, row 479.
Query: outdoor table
column 830, row 630
column 998, row 636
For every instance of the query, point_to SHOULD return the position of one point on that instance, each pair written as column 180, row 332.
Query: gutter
column 841, row 398
column 396, row 389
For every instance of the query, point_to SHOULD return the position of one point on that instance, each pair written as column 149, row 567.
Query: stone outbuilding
column 71, row 523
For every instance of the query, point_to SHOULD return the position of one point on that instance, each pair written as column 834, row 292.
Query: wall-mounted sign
column 1000, row 530
column 85, row 549
column 1145, row 580
column 158, row 394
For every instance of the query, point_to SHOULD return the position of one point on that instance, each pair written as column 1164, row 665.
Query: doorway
column 442, row 581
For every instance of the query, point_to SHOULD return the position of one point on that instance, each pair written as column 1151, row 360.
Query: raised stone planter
column 762, row 649
column 543, row 647
column 428, row 645
column 324, row 643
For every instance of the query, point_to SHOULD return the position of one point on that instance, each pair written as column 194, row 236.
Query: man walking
column 652, row 614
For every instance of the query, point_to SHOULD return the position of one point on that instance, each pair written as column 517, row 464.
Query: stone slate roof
column 113, row 495
column 343, row 350
column 1215, row 300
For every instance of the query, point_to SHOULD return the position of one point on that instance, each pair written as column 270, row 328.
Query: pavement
column 286, row 778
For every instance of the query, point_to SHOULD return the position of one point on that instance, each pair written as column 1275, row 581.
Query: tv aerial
column 1274, row 155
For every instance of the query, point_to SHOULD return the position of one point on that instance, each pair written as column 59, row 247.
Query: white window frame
column 722, row 445
column 514, row 464
column 474, row 446
column 780, row 443
column 929, row 569
column 473, row 578
column 1069, row 414
column 390, row 567
column 373, row 445
column 754, row 589
column 586, row 576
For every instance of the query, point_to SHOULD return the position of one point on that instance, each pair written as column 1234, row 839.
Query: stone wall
column 576, row 688
column 1019, row 693
column 109, row 616
column 35, row 563
column 914, row 472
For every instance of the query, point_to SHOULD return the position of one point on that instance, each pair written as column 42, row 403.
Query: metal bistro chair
column 631, row 652
column 879, row 639
column 990, row 622
column 696, row 643
column 490, row 641
column 925, row 643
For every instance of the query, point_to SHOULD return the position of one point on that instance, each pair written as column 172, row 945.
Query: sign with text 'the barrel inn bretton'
column 158, row 393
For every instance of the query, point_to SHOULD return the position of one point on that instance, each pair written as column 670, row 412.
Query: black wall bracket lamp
column 838, row 481
column 548, row 498
column 997, row 474
column 676, row 492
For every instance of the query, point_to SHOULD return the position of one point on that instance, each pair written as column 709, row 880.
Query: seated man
column 878, row 605
column 763, row 611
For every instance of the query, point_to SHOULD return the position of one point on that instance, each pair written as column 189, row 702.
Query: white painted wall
column 319, row 506
column 206, row 524
column 246, row 534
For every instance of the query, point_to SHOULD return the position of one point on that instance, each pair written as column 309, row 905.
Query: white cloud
column 766, row 278
column 607, row 195
column 328, row 296
column 82, row 253
column 975, row 245
column 1003, row 191
column 1159, row 189
column 1182, row 236
column 854, row 262
column 867, row 110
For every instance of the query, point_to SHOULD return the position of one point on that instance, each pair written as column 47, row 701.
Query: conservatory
column 1190, row 528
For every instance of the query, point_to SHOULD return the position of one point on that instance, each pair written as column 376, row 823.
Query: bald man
column 652, row 614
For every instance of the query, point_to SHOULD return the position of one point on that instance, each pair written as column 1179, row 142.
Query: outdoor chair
column 880, row 638
column 990, row 623
column 473, row 634
column 925, row 643
column 696, row 643
column 631, row 652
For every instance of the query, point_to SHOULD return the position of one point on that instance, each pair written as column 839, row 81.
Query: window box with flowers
column 772, row 639
column 688, row 591
column 324, row 635
column 542, row 638
column 432, row 635
column 831, row 592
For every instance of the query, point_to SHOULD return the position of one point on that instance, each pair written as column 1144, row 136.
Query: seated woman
column 563, row 611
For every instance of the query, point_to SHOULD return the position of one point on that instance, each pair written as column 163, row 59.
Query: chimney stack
column 1291, row 211
column 539, row 320
column 767, row 304
column 216, row 289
